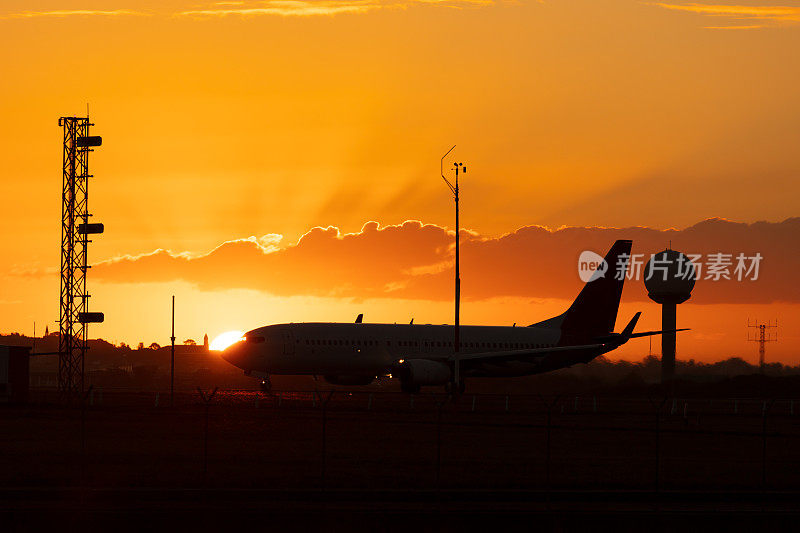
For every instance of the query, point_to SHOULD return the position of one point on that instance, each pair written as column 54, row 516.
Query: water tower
column 669, row 277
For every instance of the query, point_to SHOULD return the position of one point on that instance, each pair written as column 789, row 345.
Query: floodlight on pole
column 172, row 359
column 456, row 341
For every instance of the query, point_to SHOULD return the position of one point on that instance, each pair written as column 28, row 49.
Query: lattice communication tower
column 762, row 336
column 74, row 312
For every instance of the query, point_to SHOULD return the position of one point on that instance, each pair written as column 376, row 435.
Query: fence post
column 324, row 450
column 765, row 410
column 658, row 408
column 547, row 457
column 369, row 402
column 549, row 406
column 658, row 449
column 438, row 443
column 474, row 399
column 207, row 401
column 323, row 463
column 205, row 447
column 83, row 442
column 84, row 397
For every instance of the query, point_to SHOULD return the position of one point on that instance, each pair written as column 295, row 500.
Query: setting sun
column 223, row 340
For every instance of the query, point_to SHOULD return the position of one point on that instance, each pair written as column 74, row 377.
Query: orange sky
column 256, row 118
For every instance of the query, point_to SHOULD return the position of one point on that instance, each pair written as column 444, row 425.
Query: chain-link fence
column 344, row 440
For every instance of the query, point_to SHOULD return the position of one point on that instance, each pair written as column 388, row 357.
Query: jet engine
column 418, row 372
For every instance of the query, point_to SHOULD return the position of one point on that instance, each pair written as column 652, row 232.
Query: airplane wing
column 607, row 343
column 621, row 338
column 648, row 333
column 521, row 354
column 615, row 339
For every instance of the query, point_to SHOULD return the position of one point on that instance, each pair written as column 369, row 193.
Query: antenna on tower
column 762, row 336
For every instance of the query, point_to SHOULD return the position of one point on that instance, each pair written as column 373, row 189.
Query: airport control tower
column 669, row 277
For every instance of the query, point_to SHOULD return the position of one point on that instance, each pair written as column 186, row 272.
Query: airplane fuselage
column 373, row 349
column 426, row 355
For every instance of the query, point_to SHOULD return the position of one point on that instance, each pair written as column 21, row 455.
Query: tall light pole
column 454, row 189
column 172, row 359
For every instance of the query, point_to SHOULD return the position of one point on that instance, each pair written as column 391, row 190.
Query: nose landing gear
column 410, row 389
column 455, row 389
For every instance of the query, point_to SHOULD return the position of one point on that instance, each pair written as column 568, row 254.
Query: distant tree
column 155, row 346
column 140, row 346
column 189, row 342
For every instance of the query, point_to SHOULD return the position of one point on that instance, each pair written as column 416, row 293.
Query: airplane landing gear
column 411, row 389
column 455, row 391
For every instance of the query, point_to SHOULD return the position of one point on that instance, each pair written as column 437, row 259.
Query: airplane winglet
column 660, row 332
column 628, row 331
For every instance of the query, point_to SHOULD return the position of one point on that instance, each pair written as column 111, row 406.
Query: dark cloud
column 414, row 260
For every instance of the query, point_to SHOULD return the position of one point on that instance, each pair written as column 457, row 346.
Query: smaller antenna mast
column 762, row 336
column 456, row 342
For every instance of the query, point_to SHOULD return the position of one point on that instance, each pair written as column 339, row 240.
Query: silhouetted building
column 14, row 374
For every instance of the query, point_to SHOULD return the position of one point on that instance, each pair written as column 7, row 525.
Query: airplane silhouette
column 424, row 355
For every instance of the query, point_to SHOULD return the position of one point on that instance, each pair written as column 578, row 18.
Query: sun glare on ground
column 223, row 340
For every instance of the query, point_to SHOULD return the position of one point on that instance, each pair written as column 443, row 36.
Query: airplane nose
column 236, row 354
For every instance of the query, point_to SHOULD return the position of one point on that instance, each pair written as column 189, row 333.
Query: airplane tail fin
column 594, row 311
